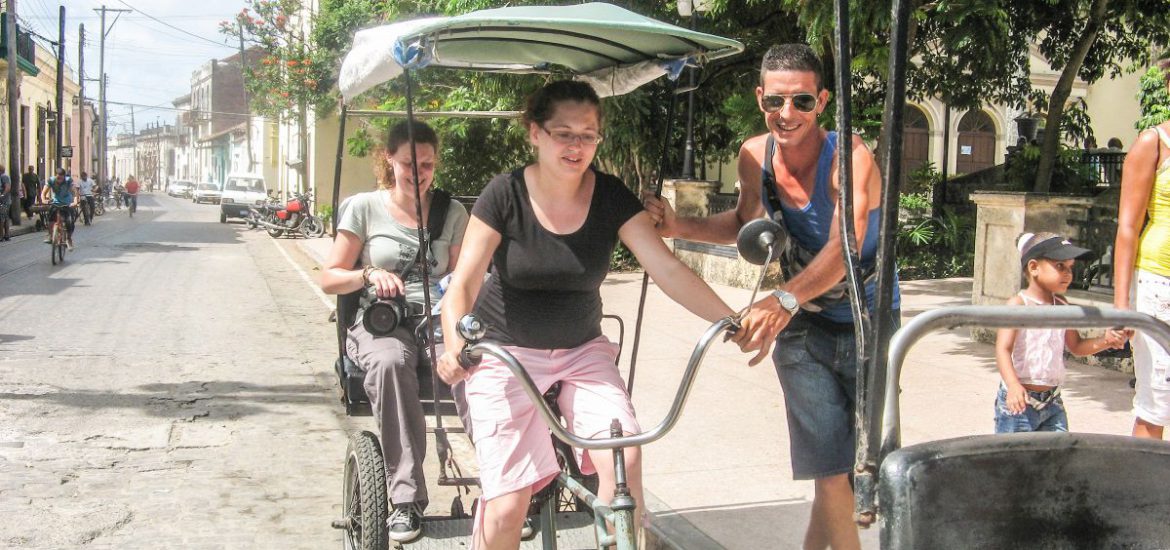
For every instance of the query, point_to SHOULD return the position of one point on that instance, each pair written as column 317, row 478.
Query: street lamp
column 694, row 10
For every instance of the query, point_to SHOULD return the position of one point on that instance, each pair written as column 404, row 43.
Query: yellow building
column 37, row 116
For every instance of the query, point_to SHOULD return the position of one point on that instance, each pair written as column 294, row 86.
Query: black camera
column 381, row 316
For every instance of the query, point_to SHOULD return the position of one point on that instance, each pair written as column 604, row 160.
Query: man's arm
column 826, row 269
column 721, row 228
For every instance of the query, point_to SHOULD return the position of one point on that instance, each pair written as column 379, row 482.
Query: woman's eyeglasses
column 568, row 138
column 805, row 103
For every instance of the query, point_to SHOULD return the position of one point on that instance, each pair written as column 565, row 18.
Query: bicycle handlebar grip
column 468, row 358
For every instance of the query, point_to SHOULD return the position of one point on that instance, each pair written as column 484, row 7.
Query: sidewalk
column 722, row 477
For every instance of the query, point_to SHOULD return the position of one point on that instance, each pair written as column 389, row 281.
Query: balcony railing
column 26, row 51
column 1105, row 165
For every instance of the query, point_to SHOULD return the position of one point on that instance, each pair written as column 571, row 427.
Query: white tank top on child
column 1038, row 353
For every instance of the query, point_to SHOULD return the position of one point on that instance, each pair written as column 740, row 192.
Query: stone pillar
column 1001, row 218
column 689, row 198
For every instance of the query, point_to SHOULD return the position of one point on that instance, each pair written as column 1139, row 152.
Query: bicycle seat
column 1028, row 490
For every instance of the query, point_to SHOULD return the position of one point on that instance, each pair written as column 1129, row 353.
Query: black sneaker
column 405, row 523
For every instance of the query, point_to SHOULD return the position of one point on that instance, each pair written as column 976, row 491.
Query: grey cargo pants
column 391, row 364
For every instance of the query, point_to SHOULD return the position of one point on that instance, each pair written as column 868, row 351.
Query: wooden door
column 915, row 142
column 976, row 143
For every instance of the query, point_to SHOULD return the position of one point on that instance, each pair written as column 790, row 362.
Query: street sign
column 67, row 151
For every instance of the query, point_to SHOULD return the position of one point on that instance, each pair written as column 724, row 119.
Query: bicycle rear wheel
column 61, row 253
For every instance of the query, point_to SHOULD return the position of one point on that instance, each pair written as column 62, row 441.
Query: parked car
column 240, row 191
column 206, row 192
column 179, row 188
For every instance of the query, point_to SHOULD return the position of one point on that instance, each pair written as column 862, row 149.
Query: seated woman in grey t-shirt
column 380, row 229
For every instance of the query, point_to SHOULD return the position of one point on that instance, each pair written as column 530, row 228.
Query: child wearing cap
column 1031, row 361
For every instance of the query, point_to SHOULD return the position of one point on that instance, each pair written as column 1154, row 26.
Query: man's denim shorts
column 816, row 361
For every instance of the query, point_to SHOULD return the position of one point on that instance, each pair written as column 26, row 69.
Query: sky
column 148, row 63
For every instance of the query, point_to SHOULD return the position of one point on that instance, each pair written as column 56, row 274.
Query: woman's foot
column 405, row 523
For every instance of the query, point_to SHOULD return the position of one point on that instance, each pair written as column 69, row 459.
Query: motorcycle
column 295, row 216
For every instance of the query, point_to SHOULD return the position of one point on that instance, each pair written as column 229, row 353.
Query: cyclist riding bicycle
column 87, row 187
column 132, row 193
column 63, row 195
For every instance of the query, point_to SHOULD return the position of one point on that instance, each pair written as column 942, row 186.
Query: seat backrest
column 1038, row 490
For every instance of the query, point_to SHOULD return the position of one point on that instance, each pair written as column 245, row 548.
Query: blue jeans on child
column 1049, row 418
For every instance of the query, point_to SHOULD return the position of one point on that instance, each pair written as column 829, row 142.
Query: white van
column 239, row 192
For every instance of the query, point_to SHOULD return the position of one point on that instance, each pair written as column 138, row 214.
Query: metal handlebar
column 475, row 350
column 882, row 422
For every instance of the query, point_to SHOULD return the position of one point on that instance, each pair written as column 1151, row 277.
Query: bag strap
column 436, row 218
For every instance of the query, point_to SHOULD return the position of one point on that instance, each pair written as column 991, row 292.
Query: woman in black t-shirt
column 548, row 231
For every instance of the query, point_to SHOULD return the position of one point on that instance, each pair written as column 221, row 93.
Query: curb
column 666, row 529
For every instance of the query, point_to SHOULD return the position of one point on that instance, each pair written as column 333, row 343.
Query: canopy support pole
column 645, row 275
column 424, row 248
column 872, row 407
column 337, row 165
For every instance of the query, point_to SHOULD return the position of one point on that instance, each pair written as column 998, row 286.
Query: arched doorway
column 976, row 142
column 915, row 141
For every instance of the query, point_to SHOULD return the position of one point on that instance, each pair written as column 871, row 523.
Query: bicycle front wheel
column 53, row 243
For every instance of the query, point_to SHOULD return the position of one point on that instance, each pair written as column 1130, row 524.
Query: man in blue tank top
column 790, row 171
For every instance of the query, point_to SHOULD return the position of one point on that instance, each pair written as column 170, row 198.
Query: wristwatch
column 787, row 301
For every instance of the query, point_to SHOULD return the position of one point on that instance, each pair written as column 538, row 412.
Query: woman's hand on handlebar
column 386, row 284
column 450, row 370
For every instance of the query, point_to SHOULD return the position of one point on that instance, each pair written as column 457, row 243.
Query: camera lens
column 381, row 318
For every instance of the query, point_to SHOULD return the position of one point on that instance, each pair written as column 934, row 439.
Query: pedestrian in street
column 377, row 231
column 1031, row 361
column 32, row 189
column 86, row 186
column 1141, row 268
column 6, row 192
column 789, row 174
column 549, row 230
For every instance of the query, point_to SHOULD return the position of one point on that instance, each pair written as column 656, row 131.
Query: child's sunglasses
column 805, row 103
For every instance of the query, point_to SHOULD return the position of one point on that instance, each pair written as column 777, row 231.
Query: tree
column 1088, row 39
column 286, row 82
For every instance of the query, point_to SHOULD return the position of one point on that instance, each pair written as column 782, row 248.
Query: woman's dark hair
column 792, row 57
column 397, row 136
column 542, row 103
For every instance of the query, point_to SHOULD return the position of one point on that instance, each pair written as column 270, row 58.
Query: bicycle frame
column 619, row 512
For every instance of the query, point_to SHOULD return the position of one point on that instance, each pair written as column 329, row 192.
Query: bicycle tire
column 61, row 253
column 364, row 498
column 53, row 244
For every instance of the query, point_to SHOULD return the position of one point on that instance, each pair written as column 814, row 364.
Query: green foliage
column 360, row 143
column 1153, row 98
column 1069, row 174
column 922, row 180
column 623, row 260
column 915, row 204
column 325, row 211
column 932, row 248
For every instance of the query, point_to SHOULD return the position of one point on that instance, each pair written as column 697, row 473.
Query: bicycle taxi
column 616, row 51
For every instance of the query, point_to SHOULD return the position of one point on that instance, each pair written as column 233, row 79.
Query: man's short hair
column 792, row 57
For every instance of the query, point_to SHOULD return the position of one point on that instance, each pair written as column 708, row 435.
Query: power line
column 164, row 23
column 199, row 111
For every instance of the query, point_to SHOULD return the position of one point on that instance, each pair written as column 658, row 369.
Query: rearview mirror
column 756, row 239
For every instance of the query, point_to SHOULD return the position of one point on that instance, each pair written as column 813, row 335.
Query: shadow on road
column 213, row 399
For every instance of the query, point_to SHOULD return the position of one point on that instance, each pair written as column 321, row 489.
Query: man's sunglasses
column 805, row 103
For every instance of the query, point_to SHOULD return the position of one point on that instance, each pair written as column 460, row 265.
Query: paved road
column 169, row 386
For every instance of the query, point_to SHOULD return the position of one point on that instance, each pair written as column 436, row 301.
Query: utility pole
column 102, row 89
column 134, row 137
column 13, row 82
column 59, row 126
column 81, row 98
column 247, row 106
column 157, row 153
